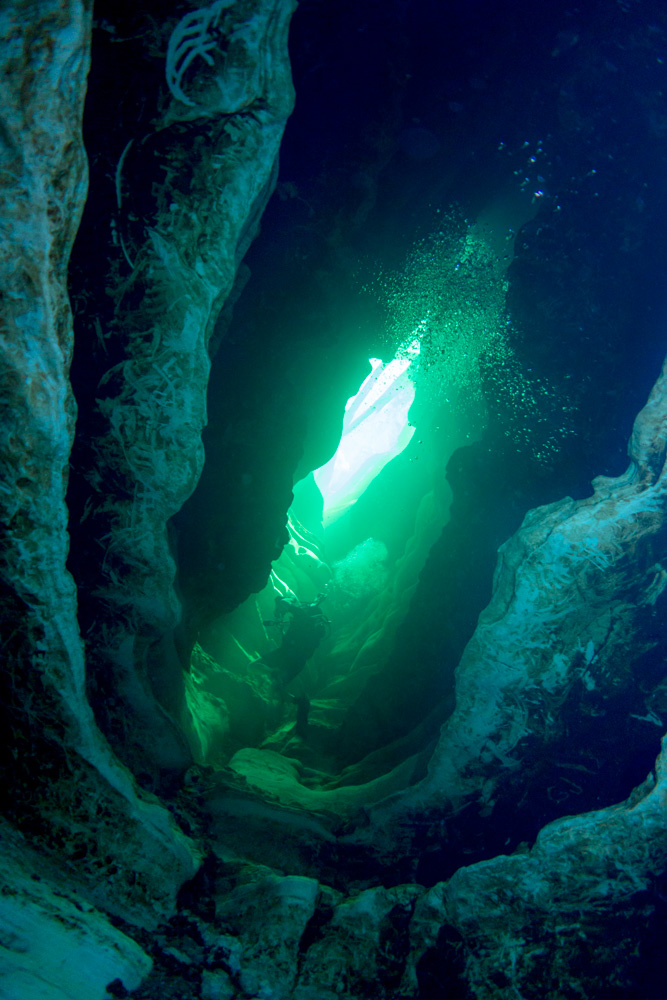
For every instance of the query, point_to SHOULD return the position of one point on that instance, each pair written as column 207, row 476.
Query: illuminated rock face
column 558, row 917
column 64, row 787
column 53, row 946
column 561, row 915
column 565, row 658
column 561, row 652
column 559, row 671
column 190, row 190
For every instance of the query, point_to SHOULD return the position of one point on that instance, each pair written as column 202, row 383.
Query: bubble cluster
column 532, row 413
column 451, row 297
column 363, row 571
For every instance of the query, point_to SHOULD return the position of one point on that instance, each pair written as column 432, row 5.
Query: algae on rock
column 66, row 791
column 191, row 189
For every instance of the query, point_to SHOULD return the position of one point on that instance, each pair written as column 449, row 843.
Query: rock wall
column 561, row 677
column 560, row 672
column 65, row 789
column 191, row 182
column 575, row 915
column 578, row 914
column 48, row 935
column 561, row 681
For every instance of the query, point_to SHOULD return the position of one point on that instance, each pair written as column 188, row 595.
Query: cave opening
column 319, row 681
column 294, row 670
column 478, row 261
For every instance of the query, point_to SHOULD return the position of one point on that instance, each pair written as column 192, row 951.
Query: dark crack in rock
column 66, row 791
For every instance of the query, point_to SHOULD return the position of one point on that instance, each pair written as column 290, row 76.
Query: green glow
column 375, row 430
column 456, row 278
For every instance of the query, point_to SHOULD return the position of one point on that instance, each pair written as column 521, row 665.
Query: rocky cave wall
column 583, row 292
column 196, row 133
column 394, row 881
column 64, row 786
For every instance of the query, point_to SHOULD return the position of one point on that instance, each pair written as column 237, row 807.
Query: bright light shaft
column 375, row 430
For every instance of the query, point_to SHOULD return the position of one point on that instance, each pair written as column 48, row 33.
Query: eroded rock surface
column 561, row 666
column 48, row 936
column 192, row 178
column 581, row 909
column 64, row 788
column 563, row 646
column 561, row 675
column 578, row 912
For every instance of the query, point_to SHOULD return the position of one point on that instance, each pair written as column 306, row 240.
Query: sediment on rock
column 194, row 171
column 65, row 790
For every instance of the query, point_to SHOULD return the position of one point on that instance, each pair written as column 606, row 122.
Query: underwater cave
column 333, row 499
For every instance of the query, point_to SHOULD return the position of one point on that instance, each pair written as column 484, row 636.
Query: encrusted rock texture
column 578, row 914
column 560, row 671
column 48, row 935
column 65, row 789
column 191, row 180
column 561, row 668
column 559, row 686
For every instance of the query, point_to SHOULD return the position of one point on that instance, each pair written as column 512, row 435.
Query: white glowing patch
column 375, row 430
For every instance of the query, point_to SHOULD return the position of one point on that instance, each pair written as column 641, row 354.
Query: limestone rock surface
column 579, row 911
column 53, row 946
column 268, row 918
column 555, row 669
column 63, row 786
column 577, row 612
column 191, row 181
column 363, row 947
